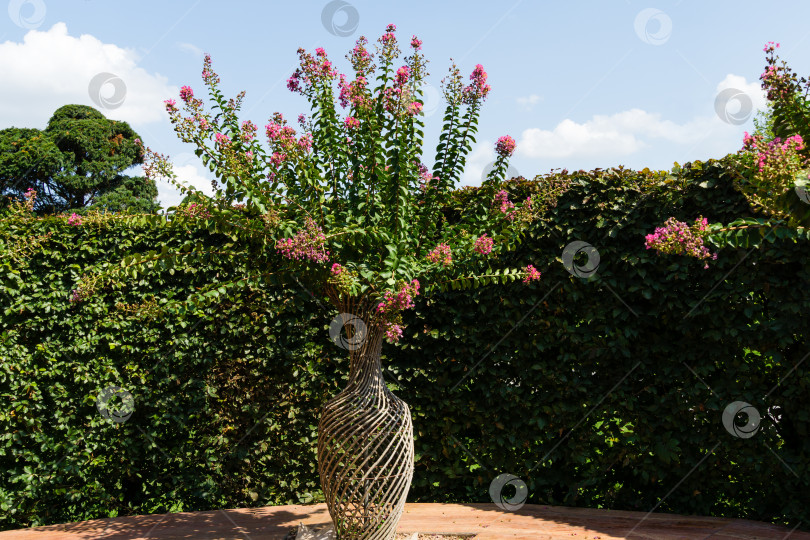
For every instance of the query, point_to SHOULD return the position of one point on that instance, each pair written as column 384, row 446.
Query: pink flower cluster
column 531, row 274
column 416, row 43
column 393, row 303
column 524, row 213
column 505, row 146
column 402, row 76
column 502, row 198
column 778, row 82
column 387, row 48
column 393, row 333
column 248, row 130
column 351, row 122
column 426, row 178
column 341, row 278
column 679, row 238
column 354, row 92
column 186, row 93
column 360, row 58
column 442, row 254
column 222, row 139
column 307, row 244
column 195, row 210
column 208, row 75
column 483, row 245
column 74, row 219
column 283, row 142
column 312, row 70
column 478, row 89
column 773, row 152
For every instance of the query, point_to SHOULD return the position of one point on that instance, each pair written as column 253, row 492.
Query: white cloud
column 189, row 170
column 482, row 154
column 744, row 98
column 630, row 132
column 52, row 68
column 753, row 89
column 529, row 101
column 193, row 49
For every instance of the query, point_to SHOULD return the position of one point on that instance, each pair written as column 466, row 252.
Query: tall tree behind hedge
column 77, row 162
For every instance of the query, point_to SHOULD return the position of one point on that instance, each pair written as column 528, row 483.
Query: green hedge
column 592, row 391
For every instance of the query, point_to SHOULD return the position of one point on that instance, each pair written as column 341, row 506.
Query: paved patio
column 486, row 521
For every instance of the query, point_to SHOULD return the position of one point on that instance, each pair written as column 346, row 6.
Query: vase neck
column 365, row 365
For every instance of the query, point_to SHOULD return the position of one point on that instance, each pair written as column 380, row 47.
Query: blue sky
column 579, row 85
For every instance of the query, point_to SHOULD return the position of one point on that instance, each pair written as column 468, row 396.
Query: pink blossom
column 531, row 274
column 679, row 238
column 351, row 122
column 478, row 89
column 402, row 76
column 505, row 146
column 393, row 333
column 305, row 142
column 170, row 104
column 186, row 93
column 308, row 244
column 402, row 300
column 74, row 219
column 294, row 82
column 248, row 130
column 483, row 245
column 416, row 43
column 441, row 253
column 502, row 198
column 75, row 296
column 414, row 108
column 222, row 139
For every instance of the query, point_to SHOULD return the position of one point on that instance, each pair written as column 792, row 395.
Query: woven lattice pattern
column 365, row 448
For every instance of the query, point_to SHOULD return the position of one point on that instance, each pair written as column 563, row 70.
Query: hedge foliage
column 603, row 392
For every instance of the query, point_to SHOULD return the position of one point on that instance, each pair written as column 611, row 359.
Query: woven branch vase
column 365, row 450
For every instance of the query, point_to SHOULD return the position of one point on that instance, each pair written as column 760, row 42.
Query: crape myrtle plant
column 770, row 170
column 346, row 208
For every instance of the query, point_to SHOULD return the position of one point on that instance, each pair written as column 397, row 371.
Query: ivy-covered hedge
column 602, row 392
